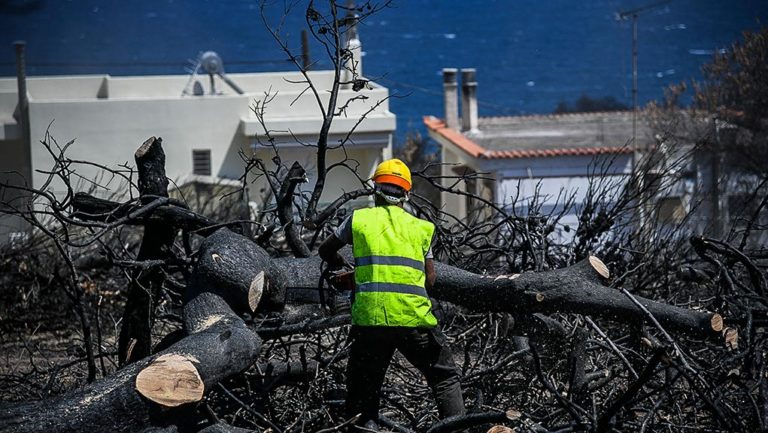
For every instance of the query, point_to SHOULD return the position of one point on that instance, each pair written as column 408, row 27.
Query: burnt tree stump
column 135, row 341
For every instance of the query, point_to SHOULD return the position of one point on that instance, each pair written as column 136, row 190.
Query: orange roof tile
column 475, row 150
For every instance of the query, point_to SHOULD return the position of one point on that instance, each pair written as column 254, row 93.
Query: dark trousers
column 373, row 348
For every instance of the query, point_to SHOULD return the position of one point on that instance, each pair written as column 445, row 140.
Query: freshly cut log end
column 501, row 429
column 144, row 148
column 539, row 297
column 255, row 291
column 600, row 267
column 229, row 265
column 512, row 415
column 731, row 337
column 171, row 380
column 717, row 322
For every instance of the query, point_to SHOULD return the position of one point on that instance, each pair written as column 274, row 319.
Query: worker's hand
column 329, row 252
column 337, row 262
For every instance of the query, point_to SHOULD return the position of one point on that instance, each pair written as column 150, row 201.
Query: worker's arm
column 329, row 251
column 429, row 269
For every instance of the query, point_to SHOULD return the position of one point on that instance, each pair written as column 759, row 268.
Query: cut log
column 240, row 271
column 171, row 380
column 117, row 403
column 574, row 289
column 144, row 394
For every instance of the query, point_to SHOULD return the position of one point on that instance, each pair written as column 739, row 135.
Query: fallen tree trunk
column 89, row 208
column 575, row 289
column 144, row 394
column 241, row 272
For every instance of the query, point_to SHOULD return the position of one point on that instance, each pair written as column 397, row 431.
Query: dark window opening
column 201, row 162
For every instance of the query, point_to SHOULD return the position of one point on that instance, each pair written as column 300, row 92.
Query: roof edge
column 455, row 137
column 475, row 150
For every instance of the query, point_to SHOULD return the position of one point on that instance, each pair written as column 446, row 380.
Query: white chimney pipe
column 450, row 97
column 469, row 99
column 352, row 67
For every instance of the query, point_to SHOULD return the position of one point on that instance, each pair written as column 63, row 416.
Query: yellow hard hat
column 395, row 172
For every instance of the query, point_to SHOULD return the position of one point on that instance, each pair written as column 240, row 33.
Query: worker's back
column 389, row 246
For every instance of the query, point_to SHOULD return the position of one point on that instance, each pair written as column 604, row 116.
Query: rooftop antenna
column 643, row 212
column 623, row 15
column 211, row 63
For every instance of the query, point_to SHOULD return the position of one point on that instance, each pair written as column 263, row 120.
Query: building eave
column 438, row 127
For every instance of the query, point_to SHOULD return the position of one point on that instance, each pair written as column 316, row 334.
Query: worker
column 391, row 310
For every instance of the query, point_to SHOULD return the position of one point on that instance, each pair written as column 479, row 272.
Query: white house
column 555, row 153
column 559, row 154
column 203, row 132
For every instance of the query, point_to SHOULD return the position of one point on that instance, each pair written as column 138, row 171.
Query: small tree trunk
column 135, row 341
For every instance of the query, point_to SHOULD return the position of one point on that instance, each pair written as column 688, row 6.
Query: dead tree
column 139, row 315
column 217, row 345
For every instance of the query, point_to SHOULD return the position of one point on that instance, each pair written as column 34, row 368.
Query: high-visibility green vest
column 389, row 246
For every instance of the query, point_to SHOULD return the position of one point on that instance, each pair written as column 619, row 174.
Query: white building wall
column 558, row 179
column 109, row 117
column 453, row 204
column 339, row 180
column 109, row 131
column 14, row 168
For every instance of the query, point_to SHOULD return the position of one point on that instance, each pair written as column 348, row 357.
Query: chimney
column 353, row 67
column 22, row 109
column 450, row 97
column 468, row 100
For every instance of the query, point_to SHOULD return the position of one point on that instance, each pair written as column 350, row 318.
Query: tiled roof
column 544, row 135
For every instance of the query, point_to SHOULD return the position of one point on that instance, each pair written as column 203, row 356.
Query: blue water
column 530, row 55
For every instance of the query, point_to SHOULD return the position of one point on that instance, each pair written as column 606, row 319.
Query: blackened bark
column 88, row 208
column 295, row 176
column 235, row 268
column 575, row 289
column 135, row 341
column 461, row 422
column 577, row 381
column 224, row 428
column 219, row 345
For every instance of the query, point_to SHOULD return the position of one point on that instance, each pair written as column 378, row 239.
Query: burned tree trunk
column 575, row 289
column 235, row 268
column 147, row 392
column 171, row 214
column 135, row 340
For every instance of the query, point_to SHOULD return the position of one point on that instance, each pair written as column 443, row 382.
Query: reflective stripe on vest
column 389, row 260
column 392, row 288
column 389, row 246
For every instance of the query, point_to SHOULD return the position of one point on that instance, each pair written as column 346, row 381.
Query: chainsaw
column 340, row 293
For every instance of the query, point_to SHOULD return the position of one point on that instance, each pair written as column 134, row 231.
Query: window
column 671, row 210
column 201, row 162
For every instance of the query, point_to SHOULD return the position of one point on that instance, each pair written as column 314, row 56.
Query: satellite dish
column 211, row 63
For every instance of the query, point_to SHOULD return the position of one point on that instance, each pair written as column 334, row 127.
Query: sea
column 529, row 55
